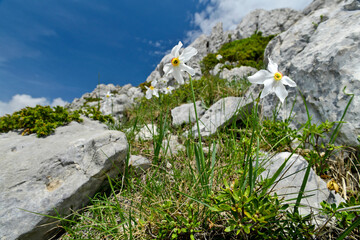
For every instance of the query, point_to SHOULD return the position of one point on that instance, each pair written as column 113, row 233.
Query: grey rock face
column 147, row 132
column 222, row 112
column 139, row 163
column 322, row 55
column 171, row 145
column 236, row 74
column 267, row 22
column 58, row 172
column 121, row 99
column 292, row 177
column 185, row 112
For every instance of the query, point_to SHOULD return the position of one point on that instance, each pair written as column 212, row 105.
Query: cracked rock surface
column 59, row 172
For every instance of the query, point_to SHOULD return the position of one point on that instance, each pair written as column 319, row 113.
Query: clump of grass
column 217, row 195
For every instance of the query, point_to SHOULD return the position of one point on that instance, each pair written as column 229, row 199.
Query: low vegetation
column 43, row 120
column 212, row 188
column 243, row 52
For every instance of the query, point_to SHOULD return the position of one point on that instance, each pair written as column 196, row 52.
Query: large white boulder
column 321, row 53
column 54, row 174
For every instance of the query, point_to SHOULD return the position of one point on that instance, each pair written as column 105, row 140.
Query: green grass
column 214, row 195
column 211, row 189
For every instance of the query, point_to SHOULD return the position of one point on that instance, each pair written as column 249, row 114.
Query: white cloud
column 20, row 101
column 230, row 12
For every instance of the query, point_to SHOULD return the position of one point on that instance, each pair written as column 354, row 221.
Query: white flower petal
column 148, row 93
column 167, row 67
column 176, row 49
column 186, row 68
column 281, row 91
column 188, row 53
column 177, row 76
column 272, row 67
column 156, row 92
column 260, row 77
column 268, row 87
column 288, row 81
column 154, row 83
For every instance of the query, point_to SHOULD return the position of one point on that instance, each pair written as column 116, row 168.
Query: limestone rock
column 58, row 172
column 268, row 22
column 147, row 132
column 139, row 163
column 222, row 112
column 217, row 69
column 185, row 112
column 236, row 74
column 172, row 146
column 122, row 98
column 292, row 177
column 321, row 54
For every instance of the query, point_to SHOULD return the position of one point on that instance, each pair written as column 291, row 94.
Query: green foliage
column 208, row 90
column 243, row 52
column 313, row 136
column 95, row 114
column 346, row 213
column 277, row 134
column 250, row 212
column 175, row 225
column 41, row 120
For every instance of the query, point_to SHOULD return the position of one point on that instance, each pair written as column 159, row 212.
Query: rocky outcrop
column 53, row 175
column 321, row 53
column 268, row 22
column 120, row 99
column 237, row 74
column 290, row 180
column 222, row 112
column 185, row 113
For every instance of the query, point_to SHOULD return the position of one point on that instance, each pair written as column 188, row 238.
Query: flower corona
column 278, row 76
column 175, row 61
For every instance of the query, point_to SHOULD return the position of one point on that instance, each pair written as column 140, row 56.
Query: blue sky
column 52, row 51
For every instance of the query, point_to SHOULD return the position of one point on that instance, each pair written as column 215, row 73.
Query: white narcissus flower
column 168, row 89
column 273, row 81
column 219, row 57
column 152, row 90
column 178, row 61
column 108, row 95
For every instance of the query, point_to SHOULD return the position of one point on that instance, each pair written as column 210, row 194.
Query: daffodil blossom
column 168, row 89
column 108, row 95
column 273, row 81
column 177, row 63
column 152, row 90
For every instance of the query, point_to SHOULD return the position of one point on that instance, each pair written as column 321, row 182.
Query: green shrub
column 41, row 120
column 244, row 52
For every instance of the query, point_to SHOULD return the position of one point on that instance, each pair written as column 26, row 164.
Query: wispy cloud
column 20, row 101
column 230, row 12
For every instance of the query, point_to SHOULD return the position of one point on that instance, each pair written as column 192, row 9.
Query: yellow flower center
column 278, row 76
column 175, row 62
column 152, row 88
